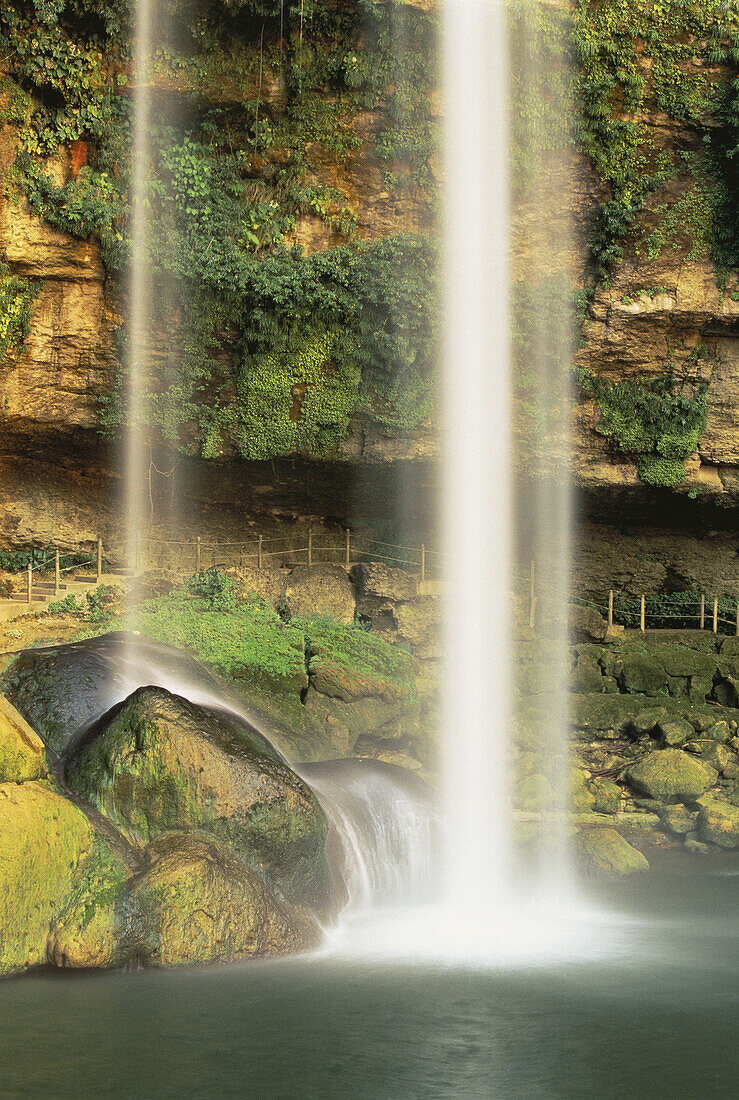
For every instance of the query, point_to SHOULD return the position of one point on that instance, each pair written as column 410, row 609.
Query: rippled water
column 655, row 1018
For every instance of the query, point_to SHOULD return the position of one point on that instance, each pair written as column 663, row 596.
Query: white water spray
column 139, row 282
column 477, row 513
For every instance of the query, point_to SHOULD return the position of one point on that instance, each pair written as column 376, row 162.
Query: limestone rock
column 320, row 590
column 675, row 731
column 670, row 775
column 536, row 794
column 198, row 903
column 92, row 929
column 381, row 582
column 44, row 840
column 604, row 851
column 718, row 822
column 158, row 763
column 22, row 752
column 678, row 820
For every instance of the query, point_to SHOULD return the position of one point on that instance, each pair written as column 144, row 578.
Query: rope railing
column 687, row 611
column 275, row 551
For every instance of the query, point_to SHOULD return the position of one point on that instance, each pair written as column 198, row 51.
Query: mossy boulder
column 678, row 820
column 44, row 842
column 61, row 689
column 320, row 590
column 158, row 763
column 607, row 795
column 197, row 902
column 670, row 775
column 674, row 731
column 718, row 822
column 93, row 927
column 22, row 752
column 536, row 794
column 603, row 851
column 582, row 800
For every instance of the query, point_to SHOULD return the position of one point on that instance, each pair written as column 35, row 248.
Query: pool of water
column 653, row 1012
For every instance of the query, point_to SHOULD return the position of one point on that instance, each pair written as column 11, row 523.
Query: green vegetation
column 16, row 300
column 647, row 55
column 647, row 419
column 252, row 319
column 250, row 641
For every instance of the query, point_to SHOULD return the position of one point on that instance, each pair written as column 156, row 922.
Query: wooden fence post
column 423, row 561
column 57, row 577
column 715, row 614
column 310, row 546
column 610, row 610
column 197, row 555
column 29, row 582
column 348, row 547
column 643, row 614
column 737, row 619
column 532, row 596
column 100, row 560
column 259, row 552
column 703, row 611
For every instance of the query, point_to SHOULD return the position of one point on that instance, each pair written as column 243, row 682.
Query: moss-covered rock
column 535, row 794
column 605, row 852
column 320, row 590
column 22, row 752
column 44, row 842
column 61, row 689
column 674, row 731
column 93, row 928
column 607, row 795
column 582, row 800
column 196, row 902
column 718, row 822
column 678, row 820
column 158, row 763
column 670, row 775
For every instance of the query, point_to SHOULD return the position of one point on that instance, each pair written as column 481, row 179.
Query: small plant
column 100, row 603
column 217, row 590
column 67, row 606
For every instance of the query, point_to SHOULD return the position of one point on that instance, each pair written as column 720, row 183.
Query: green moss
column 647, row 419
column 16, row 301
column 43, row 841
column 251, row 643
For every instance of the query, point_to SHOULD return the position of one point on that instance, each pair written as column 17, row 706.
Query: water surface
column 655, row 1015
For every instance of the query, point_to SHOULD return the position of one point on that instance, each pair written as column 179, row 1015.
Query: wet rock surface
column 158, row 763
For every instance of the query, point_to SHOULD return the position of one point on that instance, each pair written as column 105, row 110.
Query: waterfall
column 139, row 289
column 477, row 473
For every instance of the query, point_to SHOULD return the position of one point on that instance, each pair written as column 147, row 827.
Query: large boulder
column 22, row 752
column 61, row 690
column 94, row 927
column 603, row 851
column 670, row 775
column 197, row 902
column 320, row 590
column 718, row 822
column 158, row 763
column 378, row 583
column 44, row 842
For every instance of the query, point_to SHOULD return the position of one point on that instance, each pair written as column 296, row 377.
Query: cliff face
column 329, row 157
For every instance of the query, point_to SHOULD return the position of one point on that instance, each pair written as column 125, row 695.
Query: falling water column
column 139, row 291
column 477, row 476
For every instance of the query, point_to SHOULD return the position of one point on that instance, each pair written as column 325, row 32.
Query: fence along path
column 193, row 556
column 188, row 556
